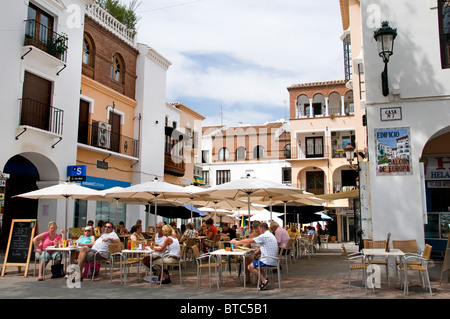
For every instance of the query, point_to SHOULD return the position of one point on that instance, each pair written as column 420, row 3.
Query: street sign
column 76, row 173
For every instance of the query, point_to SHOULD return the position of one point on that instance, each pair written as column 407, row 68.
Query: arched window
column 223, row 154
column 258, row 152
column 287, row 151
column 87, row 51
column 117, row 69
column 241, row 153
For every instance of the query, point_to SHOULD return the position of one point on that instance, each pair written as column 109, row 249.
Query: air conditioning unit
column 101, row 134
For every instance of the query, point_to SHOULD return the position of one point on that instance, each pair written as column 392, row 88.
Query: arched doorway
column 436, row 160
column 24, row 170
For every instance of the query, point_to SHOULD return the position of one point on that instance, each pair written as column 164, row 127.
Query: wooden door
column 83, row 122
column 114, row 120
column 315, row 182
column 36, row 97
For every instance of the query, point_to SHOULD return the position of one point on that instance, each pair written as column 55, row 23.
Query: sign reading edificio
column 393, row 149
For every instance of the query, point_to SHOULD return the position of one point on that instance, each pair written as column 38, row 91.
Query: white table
column 380, row 252
column 236, row 252
column 146, row 251
column 65, row 250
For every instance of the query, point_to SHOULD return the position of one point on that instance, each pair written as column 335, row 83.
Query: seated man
column 269, row 248
column 101, row 246
column 227, row 231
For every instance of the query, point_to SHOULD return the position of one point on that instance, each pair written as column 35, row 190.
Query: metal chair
column 380, row 244
column 200, row 265
column 422, row 267
column 276, row 267
column 173, row 264
column 350, row 258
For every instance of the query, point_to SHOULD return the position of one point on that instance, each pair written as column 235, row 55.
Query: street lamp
column 385, row 38
column 349, row 153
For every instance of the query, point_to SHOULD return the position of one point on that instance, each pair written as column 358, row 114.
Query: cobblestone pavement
column 323, row 276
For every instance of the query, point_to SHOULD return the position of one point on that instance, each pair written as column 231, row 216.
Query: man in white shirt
column 101, row 246
column 269, row 252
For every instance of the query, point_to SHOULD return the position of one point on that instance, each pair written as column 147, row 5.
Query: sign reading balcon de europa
column 393, row 149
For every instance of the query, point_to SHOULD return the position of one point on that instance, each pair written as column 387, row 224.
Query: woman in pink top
column 41, row 242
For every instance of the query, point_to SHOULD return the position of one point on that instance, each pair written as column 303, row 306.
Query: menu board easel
column 446, row 263
column 20, row 243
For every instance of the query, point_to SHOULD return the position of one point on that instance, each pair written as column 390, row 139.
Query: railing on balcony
column 42, row 116
column 45, row 39
column 95, row 135
column 174, row 165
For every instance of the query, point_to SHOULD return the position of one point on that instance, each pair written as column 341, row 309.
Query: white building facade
column 408, row 191
column 40, row 95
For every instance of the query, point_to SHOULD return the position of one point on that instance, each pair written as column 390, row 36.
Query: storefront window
column 432, row 228
column 110, row 211
column 445, row 225
column 79, row 214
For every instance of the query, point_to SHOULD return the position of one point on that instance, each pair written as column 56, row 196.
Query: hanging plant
column 60, row 43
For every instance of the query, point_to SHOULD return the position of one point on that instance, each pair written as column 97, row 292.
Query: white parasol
column 148, row 191
column 65, row 190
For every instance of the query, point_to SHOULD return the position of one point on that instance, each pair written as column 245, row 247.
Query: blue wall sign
column 76, row 173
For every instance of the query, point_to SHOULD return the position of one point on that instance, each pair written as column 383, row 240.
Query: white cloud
column 243, row 52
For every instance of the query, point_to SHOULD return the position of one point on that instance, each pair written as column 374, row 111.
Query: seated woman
column 173, row 253
column 137, row 235
column 88, row 239
column 41, row 242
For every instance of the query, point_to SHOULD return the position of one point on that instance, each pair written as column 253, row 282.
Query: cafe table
column 67, row 251
column 145, row 251
column 370, row 253
column 235, row 252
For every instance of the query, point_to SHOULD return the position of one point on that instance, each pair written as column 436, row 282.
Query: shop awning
column 349, row 194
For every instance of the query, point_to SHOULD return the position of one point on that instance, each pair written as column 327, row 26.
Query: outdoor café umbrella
column 148, row 191
column 225, row 216
column 65, row 190
column 249, row 187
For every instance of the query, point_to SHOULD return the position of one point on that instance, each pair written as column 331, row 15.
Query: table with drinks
column 140, row 249
column 66, row 247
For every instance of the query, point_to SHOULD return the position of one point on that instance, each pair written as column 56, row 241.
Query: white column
column 311, row 111
column 326, row 106
column 296, row 109
column 342, row 105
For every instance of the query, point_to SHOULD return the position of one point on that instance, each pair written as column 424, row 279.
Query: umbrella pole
column 192, row 217
column 284, row 214
column 271, row 208
column 248, row 195
column 156, row 210
column 65, row 222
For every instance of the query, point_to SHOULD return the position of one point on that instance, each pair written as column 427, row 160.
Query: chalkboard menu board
column 20, row 243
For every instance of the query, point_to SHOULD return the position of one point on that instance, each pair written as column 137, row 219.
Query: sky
column 232, row 60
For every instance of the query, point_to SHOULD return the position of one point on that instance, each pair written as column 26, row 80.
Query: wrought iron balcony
column 102, row 137
column 42, row 116
column 45, row 39
column 174, row 165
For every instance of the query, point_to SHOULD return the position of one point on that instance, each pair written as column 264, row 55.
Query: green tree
column 126, row 15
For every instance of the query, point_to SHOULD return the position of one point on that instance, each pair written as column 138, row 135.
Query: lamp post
column 385, row 37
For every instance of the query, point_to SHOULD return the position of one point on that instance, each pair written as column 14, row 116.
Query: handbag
column 58, row 271
column 88, row 268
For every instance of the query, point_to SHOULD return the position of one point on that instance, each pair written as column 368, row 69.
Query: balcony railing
column 97, row 136
column 174, row 165
column 42, row 116
column 45, row 39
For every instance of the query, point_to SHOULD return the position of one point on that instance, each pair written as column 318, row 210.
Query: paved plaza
column 323, row 276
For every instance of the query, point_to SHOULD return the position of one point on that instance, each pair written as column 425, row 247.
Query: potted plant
column 59, row 45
